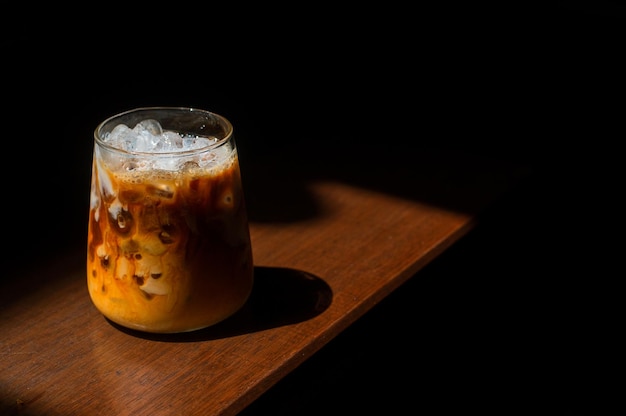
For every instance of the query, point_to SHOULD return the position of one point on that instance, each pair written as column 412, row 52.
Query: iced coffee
column 168, row 239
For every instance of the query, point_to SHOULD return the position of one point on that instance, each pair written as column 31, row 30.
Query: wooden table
column 331, row 239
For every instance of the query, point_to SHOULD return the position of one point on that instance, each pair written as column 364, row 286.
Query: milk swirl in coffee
column 168, row 239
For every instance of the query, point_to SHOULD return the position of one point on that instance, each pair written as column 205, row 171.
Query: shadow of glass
column 281, row 296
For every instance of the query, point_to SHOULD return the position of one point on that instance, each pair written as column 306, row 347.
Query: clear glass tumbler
column 168, row 239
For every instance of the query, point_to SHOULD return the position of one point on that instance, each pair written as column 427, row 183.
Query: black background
column 537, row 84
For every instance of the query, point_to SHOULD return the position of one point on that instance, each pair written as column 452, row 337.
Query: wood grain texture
column 340, row 247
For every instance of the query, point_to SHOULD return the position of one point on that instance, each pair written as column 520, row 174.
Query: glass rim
column 228, row 131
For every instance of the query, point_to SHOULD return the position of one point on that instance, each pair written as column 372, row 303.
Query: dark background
column 538, row 84
column 520, row 314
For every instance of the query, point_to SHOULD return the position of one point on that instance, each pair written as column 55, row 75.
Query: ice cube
column 154, row 286
column 148, row 127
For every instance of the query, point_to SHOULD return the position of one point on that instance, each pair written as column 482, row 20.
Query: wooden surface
column 327, row 248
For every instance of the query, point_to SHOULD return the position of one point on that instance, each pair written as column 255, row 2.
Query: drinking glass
column 168, row 239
